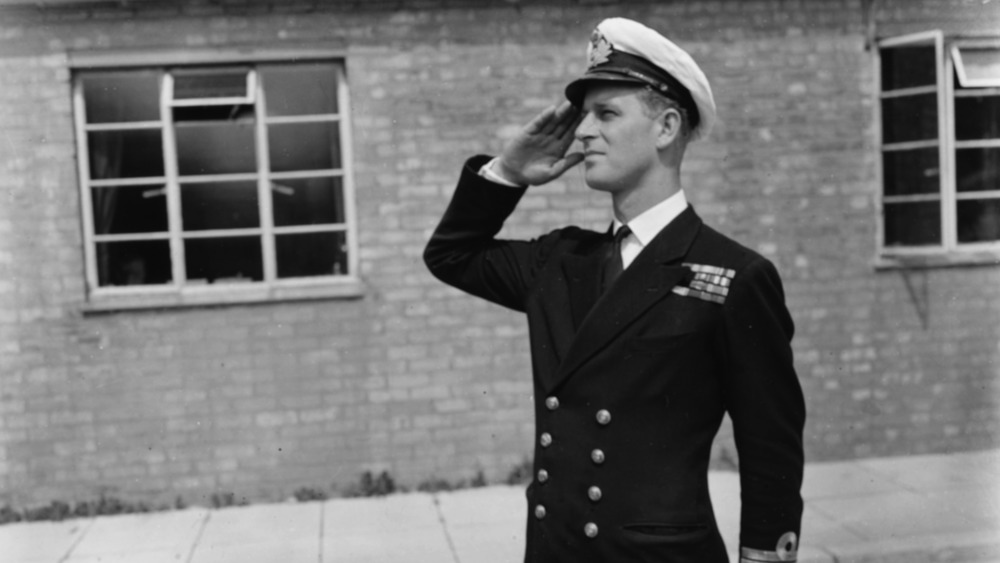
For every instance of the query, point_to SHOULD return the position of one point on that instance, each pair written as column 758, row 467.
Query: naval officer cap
column 622, row 50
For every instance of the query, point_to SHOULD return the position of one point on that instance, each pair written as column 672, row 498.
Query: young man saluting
column 642, row 337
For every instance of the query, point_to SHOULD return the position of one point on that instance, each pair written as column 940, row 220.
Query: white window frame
column 949, row 251
column 178, row 292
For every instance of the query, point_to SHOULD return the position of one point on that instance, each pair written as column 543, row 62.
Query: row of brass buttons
column 594, row 493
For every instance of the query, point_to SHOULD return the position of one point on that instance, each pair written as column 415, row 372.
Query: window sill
column 938, row 260
column 133, row 299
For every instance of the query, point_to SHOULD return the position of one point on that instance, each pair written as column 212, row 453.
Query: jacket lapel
column 583, row 279
column 650, row 278
column 574, row 293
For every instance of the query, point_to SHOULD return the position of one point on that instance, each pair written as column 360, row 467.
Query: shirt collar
column 649, row 223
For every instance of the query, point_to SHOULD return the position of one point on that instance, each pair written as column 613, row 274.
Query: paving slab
column 379, row 515
column 844, row 479
column 275, row 549
column 157, row 535
column 820, row 530
column 427, row 545
column 724, row 490
column 488, row 505
column 894, row 515
column 485, row 525
column 499, row 542
column 260, row 533
column 41, row 542
column 406, row 527
column 941, row 472
column 157, row 556
column 966, row 547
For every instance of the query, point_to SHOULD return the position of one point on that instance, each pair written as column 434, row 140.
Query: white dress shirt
column 648, row 224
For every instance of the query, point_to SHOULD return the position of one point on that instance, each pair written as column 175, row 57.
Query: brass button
column 597, row 456
column 787, row 547
column 543, row 475
column 545, row 440
column 594, row 493
column 552, row 403
column 603, row 417
column 539, row 512
column 590, row 529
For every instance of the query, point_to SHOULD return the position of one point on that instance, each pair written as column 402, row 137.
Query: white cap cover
column 623, row 50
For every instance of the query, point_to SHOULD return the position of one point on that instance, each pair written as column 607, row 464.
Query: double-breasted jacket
column 631, row 385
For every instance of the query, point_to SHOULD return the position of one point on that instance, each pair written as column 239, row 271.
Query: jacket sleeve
column 463, row 251
column 765, row 402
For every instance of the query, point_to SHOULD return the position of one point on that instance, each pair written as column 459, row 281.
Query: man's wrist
column 494, row 172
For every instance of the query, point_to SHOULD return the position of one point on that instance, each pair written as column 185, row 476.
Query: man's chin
column 600, row 184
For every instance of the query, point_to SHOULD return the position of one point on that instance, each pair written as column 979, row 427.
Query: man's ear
column 671, row 125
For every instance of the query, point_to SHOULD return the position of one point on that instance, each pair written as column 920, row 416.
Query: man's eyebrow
column 602, row 104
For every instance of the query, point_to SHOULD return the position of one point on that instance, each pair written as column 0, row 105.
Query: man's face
column 618, row 138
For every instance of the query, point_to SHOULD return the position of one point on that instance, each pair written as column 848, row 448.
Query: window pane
column 224, row 260
column 132, row 209
column 215, row 148
column 977, row 170
column 308, row 201
column 907, row 67
column 981, row 66
column 311, row 254
column 977, row 117
column 240, row 113
column 304, row 146
column 909, row 118
column 210, row 83
column 912, row 224
column 911, row 172
column 305, row 89
column 145, row 262
column 125, row 154
column 118, row 97
column 219, row 205
column 978, row 220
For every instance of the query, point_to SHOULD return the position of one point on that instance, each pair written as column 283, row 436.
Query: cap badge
column 600, row 49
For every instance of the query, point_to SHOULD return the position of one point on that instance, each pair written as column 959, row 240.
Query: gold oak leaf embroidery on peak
column 600, row 49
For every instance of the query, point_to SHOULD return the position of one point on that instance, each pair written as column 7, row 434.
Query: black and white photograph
column 499, row 281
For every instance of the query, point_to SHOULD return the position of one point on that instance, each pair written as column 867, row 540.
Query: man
column 641, row 340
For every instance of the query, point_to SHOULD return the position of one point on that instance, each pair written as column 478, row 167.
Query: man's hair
column 654, row 103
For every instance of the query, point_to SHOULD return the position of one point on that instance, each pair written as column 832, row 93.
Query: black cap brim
column 576, row 90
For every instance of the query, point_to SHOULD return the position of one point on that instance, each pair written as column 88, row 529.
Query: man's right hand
column 537, row 154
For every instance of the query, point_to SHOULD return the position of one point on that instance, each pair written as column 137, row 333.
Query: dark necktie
column 613, row 265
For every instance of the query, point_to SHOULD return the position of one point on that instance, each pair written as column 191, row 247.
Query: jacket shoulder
column 719, row 250
column 571, row 240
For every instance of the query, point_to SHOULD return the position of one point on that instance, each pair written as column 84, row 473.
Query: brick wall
column 416, row 378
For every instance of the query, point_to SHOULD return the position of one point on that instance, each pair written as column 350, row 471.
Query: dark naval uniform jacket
column 631, row 385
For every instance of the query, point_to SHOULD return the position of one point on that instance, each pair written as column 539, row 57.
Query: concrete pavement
column 913, row 509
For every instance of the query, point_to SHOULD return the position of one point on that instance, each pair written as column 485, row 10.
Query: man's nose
column 585, row 129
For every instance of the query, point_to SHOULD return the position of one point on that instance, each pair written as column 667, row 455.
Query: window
column 215, row 182
column 940, row 146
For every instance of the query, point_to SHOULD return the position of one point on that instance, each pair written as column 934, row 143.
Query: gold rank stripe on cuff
column 748, row 555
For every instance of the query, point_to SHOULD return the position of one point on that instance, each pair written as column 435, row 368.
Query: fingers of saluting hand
column 566, row 117
column 555, row 121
